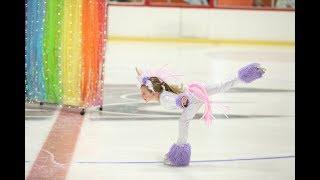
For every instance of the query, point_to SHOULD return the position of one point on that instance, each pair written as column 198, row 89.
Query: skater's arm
column 222, row 87
column 246, row 74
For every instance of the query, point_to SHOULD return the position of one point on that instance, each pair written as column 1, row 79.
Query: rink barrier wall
column 235, row 26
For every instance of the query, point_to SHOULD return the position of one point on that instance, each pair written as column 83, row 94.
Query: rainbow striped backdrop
column 64, row 51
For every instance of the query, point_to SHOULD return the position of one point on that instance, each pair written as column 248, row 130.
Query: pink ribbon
column 201, row 93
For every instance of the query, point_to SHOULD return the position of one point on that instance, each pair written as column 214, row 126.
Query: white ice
column 132, row 149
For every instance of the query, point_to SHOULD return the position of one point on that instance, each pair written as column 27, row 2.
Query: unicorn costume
column 197, row 94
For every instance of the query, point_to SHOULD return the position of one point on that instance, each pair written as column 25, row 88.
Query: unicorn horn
column 138, row 71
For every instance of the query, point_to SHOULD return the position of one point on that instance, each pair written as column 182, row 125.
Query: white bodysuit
column 168, row 100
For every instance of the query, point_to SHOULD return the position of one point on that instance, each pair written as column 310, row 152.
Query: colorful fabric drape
column 65, row 44
column 52, row 50
column 71, row 58
column 94, row 20
column 34, row 81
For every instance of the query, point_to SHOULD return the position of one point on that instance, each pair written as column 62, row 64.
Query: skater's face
column 146, row 94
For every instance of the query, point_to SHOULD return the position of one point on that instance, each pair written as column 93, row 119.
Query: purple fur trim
column 179, row 155
column 250, row 72
column 178, row 101
column 144, row 80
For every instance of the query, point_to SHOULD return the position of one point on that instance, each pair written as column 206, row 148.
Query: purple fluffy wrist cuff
column 250, row 72
column 179, row 154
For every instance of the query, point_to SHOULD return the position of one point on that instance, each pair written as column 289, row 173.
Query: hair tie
column 163, row 85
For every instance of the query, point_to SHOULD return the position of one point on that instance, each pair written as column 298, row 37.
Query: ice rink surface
column 129, row 137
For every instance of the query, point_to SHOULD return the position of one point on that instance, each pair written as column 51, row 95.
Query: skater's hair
column 159, row 86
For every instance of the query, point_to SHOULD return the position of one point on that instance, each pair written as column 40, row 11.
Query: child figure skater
column 154, row 86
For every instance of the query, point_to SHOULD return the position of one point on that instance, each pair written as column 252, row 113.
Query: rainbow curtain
column 64, row 51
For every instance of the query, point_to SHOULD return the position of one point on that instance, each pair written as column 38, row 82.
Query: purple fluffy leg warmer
column 250, row 72
column 179, row 155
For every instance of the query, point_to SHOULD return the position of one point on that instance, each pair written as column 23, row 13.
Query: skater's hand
column 262, row 69
column 184, row 101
